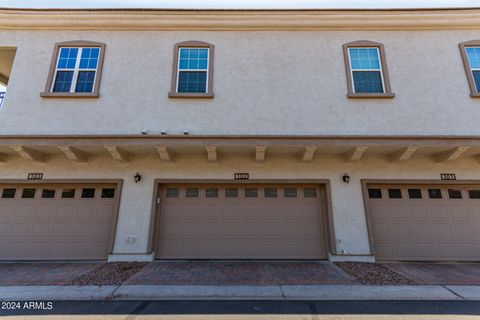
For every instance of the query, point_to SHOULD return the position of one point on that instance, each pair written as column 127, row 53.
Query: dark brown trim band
column 383, row 60
column 47, row 93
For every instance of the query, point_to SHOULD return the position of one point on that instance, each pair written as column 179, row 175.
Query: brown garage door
column 53, row 221
column 425, row 222
column 241, row 222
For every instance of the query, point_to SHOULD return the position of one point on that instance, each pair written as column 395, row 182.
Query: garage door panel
column 4, row 230
column 99, row 229
column 41, row 230
column 6, row 211
column 443, row 230
column 241, row 227
column 417, row 211
column 85, row 211
column 426, row 250
column 104, row 211
column 438, row 212
column 378, row 211
column 61, row 229
column 64, row 210
column 398, row 230
column 428, row 229
column 20, row 230
column 397, row 211
column 475, row 212
column 25, row 211
column 464, row 230
column 45, row 211
column 421, row 230
column 238, row 229
column 467, row 249
column 57, row 223
column 460, row 212
column 233, row 212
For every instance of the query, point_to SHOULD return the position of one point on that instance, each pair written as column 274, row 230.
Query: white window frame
column 472, row 69
column 360, row 70
column 76, row 69
column 190, row 70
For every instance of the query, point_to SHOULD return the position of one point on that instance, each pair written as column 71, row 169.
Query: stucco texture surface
column 264, row 83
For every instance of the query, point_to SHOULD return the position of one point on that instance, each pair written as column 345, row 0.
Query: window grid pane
column 476, row 79
column 192, row 70
column 67, row 58
column 367, row 81
column 85, row 81
column 473, row 54
column 192, row 81
column 364, row 59
column 193, row 59
column 89, row 58
column 71, row 74
column 63, row 81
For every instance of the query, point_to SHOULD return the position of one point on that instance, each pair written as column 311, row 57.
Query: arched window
column 192, row 75
column 366, row 67
column 470, row 52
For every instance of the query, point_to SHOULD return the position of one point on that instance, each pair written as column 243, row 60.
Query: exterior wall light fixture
column 137, row 177
column 346, row 178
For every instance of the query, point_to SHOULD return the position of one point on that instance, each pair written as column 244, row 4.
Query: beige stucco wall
column 265, row 83
column 347, row 201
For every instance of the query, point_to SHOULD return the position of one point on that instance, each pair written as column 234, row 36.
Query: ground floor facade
column 192, row 207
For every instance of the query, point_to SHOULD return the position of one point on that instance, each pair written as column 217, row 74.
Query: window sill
column 388, row 95
column 190, row 95
column 68, row 95
column 475, row 94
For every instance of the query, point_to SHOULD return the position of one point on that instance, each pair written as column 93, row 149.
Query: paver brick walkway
column 42, row 273
column 438, row 273
column 240, row 273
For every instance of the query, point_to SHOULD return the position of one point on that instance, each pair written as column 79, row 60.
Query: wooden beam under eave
column 212, row 155
column 403, row 154
column 260, row 154
column 118, row 154
column 451, row 155
column 74, row 154
column 164, row 153
column 354, row 154
column 30, row 154
column 308, row 154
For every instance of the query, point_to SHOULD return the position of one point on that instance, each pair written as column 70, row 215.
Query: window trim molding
column 192, row 44
column 47, row 93
column 383, row 60
column 466, row 65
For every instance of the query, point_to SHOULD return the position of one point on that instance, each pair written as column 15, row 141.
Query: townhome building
column 133, row 135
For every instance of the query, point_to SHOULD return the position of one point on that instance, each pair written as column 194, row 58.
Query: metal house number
column 35, row 176
column 241, row 176
column 448, row 176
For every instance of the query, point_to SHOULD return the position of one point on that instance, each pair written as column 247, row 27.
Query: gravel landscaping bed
column 112, row 273
column 373, row 274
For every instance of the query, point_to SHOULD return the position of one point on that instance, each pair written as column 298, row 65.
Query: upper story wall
column 265, row 83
